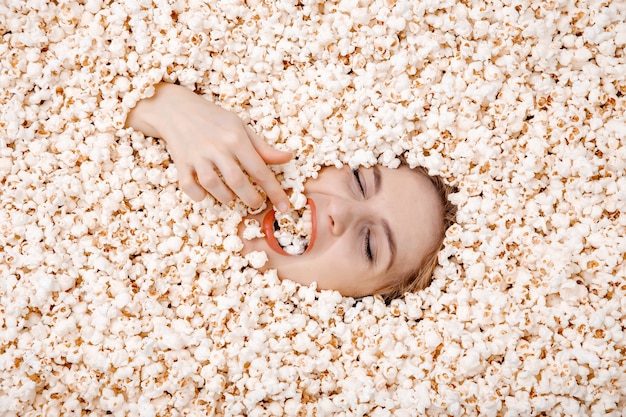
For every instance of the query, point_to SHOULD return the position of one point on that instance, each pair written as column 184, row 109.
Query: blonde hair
column 420, row 277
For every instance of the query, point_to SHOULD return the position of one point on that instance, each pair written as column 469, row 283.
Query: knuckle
column 261, row 174
column 236, row 179
column 210, row 180
column 186, row 183
column 232, row 140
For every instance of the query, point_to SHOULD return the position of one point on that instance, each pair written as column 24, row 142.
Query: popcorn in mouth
column 293, row 230
column 292, row 233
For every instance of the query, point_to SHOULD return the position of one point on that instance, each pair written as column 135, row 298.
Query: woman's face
column 373, row 225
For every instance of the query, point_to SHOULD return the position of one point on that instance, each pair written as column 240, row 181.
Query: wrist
column 146, row 115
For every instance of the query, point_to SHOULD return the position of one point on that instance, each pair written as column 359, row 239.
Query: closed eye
column 366, row 237
column 357, row 179
column 368, row 247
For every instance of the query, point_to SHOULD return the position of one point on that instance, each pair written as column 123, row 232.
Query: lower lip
column 268, row 231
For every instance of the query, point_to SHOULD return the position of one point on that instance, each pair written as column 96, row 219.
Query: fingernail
column 283, row 207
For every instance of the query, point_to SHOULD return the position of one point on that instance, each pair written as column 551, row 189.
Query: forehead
column 414, row 213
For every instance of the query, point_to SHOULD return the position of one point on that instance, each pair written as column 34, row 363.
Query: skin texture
column 215, row 152
column 351, row 215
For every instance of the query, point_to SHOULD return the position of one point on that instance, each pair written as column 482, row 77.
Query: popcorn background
column 119, row 295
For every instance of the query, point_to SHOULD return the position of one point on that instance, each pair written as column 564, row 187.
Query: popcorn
column 152, row 304
column 293, row 230
column 256, row 259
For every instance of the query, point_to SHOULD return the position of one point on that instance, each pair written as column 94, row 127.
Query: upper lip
column 268, row 230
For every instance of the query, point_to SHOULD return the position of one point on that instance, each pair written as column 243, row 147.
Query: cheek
column 330, row 273
column 299, row 270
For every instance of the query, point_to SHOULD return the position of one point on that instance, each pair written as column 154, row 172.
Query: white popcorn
column 232, row 243
column 432, row 339
column 298, row 200
column 252, row 230
column 256, row 259
column 107, row 268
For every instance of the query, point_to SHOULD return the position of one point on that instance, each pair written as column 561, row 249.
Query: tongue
column 293, row 230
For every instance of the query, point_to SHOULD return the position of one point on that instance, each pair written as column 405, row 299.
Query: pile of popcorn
column 121, row 296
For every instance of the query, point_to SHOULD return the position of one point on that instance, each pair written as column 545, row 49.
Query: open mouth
column 291, row 233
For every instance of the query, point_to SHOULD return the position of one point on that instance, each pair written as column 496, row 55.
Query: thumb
column 269, row 154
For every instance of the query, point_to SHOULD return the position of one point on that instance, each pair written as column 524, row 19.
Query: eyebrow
column 391, row 241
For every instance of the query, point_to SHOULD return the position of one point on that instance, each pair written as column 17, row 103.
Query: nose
column 343, row 213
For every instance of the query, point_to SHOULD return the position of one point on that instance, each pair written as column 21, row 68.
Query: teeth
column 293, row 230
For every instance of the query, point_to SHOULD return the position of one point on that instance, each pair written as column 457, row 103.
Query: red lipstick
column 268, row 230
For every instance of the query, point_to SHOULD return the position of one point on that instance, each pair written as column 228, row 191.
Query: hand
column 212, row 148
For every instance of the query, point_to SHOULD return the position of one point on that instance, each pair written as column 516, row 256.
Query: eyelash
column 367, row 248
column 357, row 179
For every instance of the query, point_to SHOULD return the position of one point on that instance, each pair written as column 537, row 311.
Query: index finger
column 255, row 166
